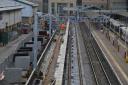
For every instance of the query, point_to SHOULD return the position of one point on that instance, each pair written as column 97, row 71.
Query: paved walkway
column 61, row 58
column 115, row 58
column 12, row 46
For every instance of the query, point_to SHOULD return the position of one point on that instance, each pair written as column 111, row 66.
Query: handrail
column 46, row 48
column 53, row 82
column 41, row 57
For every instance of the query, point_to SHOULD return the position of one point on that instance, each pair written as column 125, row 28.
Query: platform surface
column 115, row 58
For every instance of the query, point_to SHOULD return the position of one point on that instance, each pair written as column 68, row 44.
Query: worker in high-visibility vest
column 62, row 28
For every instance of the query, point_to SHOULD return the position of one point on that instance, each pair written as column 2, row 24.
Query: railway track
column 79, row 62
column 102, row 72
column 69, row 61
column 73, row 61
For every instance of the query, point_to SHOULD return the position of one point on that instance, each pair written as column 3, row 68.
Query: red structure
column 62, row 26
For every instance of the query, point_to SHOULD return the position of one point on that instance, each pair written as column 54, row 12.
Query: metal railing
column 34, row 74
column 53, row 83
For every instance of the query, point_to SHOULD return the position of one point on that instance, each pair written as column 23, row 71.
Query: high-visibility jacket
column 62, row 26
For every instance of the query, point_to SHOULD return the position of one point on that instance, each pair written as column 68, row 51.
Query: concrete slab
column 12, row 46
column 13, row 75
column 22, row 62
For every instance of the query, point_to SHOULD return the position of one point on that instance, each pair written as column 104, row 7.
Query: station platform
column 114, row 56
column 59, row 72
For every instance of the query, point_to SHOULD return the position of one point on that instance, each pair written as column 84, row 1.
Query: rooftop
column 9, row 5
column 27, row 2
column 124, row 14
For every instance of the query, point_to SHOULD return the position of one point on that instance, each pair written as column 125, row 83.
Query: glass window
column 1, row 17
column 53, row 5
column 53, row 8
column 71, row 4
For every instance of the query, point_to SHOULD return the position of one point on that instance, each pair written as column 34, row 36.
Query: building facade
column 10, row 21
column 79, row 2
column 118, row 4
column 40, row 4
column 57, row 6
column 97, row 3
column 127, row 5
column 107, row 4
column 27, row 12
column 43, row 5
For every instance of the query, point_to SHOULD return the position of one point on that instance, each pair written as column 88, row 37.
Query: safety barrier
column 36, row 71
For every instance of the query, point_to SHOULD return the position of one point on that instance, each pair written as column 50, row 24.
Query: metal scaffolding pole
column 35, row 40
column 50, row 20
column 77, row 14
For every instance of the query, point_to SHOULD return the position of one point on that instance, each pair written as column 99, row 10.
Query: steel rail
column 91, row 51
column 79, row 63
column 69, row 59
column 91, row 64
column 101, row 63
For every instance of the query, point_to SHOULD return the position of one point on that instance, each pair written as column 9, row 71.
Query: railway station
column 69, row 42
